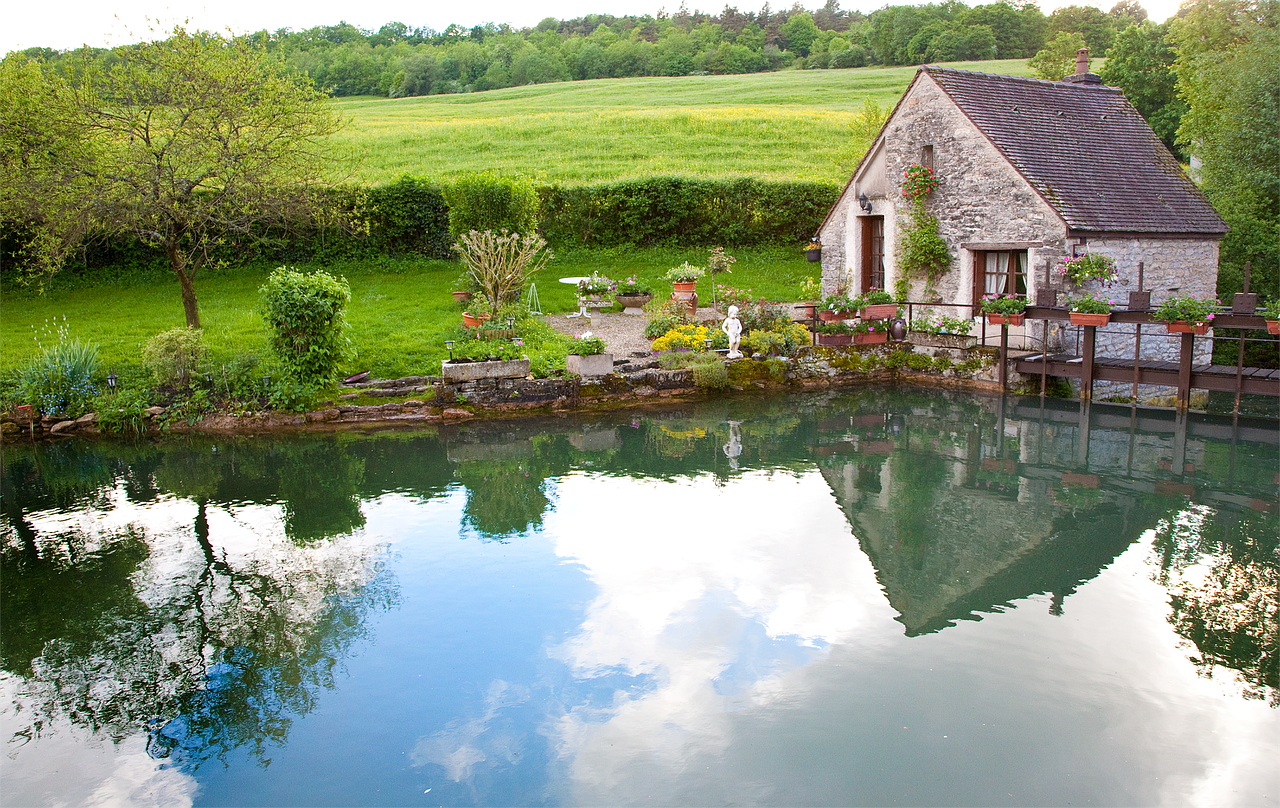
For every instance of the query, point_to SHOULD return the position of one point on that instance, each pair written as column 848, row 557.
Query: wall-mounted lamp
column 864, row 203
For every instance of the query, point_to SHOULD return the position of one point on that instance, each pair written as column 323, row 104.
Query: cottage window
column 999, row 272
column 872, row 252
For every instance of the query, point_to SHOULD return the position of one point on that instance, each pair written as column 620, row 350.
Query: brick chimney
column 1082, row 74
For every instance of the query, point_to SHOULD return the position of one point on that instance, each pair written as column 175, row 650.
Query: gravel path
column 622, row 333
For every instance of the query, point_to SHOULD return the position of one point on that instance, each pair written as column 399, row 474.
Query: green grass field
column 778, row 126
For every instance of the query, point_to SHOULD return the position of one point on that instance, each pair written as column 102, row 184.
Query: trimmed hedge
column 410, row 217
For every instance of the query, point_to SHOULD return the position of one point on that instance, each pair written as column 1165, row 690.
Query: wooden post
column 1004, row 358
column 1086, row 371
column 1137, row 342
column 1184, row 372
column 1248, row 265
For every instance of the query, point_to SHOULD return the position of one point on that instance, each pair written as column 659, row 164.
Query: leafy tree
column 1093, row 24
column 1126, row 13
column 1228, row 69
column 1141, row 63
column 1058, row 58
column 184, row 143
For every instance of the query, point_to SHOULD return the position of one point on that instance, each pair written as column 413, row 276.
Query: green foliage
column 928, row 322
column 407, row 216
column 1141, row 63
column 921, row 251
column 59, row 380
column 919, row 361
column 586, row 345
column 305, row 315
column 173, row 357
column 942, row 363
column 684, row 273
column 1092, row 24
column 1003, row 304
column 1187, row 308
column 710, row 374
column 1089, row 303
column 783, row 339
column 123, row 412
column 487, row 201
column 291, row 395
column 1058, row 58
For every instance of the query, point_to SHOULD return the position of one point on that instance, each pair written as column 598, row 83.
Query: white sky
column 77, row 22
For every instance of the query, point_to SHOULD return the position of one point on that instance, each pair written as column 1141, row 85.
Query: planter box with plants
column 469, row 370
column 876, row 304
column 1004, row 309
column 835, row 332
column 1089, row 309
column 586, row 357
column 941, row 331
column 869, row 334
column 837, row 306
column 1271, row 313
column 1187, row 314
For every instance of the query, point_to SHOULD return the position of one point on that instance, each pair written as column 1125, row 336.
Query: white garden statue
column 732, row 327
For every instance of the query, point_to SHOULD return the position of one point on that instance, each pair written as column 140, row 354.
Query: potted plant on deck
column 586, row 356
column 1089, row 309
column 1271, row 313
column 633, row 295
column 836, row 332
column 837, row 306
column 870, row 333
column 1186, row 314
column 1004, row 309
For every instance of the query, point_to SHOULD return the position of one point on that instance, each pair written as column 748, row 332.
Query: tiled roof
column 1086, row 150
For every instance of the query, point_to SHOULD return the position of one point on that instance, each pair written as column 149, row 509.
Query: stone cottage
column 1029, row 171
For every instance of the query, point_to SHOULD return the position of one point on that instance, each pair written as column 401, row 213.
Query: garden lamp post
column 112, row 378
column 448, row 344
column 707, row 344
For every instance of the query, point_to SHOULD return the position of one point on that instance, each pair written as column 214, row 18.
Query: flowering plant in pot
column 870, row 333
column 1004, row 309
column 1089, row 309
column 595, row 286
column 586, row 356
column 1271, row 313
column 685, row 273
column 918, row 181
column 837, row 306
column 632, row 286
column 835, row 332
column 1088, row 267
column 875, row 304
column 1187, row 313
column 813, row 250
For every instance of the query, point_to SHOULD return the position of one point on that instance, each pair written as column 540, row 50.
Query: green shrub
column 174, row 356
column 942, row 363
column 123, row 412
column 488, row 201
column 305, row 315
column 918, row 361
column 711, row 375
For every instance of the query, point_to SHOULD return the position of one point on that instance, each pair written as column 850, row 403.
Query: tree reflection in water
column 1222, row 571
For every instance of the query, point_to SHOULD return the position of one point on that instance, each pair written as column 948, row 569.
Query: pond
column 866, row 598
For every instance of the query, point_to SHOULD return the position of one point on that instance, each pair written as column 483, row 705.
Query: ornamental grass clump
column 1187, row 309
column 60, row 380
column 1088, row 267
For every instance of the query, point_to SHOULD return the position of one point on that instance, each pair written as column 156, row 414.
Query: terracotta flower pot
column 461, row 296
column 1006, row 319
column 832, row 316
column 873, row 338
column 684, row 293
column 879, row 311
column 1183, row 327
column 1084, row 318
column 469, row 320
column 1273, row 326
column 835, row 339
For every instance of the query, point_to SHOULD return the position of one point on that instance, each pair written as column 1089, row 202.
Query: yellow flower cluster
column 690, row 337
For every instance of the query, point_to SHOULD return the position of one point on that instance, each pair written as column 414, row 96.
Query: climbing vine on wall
column 921, row 251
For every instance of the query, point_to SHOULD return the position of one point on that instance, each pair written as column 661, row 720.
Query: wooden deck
column 1260, row 381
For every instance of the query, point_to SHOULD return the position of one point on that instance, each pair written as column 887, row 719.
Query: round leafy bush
column 173, row 356
column 305, row 314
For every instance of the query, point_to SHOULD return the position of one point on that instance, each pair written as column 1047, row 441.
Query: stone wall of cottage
column 981, row 202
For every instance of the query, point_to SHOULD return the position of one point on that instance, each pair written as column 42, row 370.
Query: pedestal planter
column 879, row 311
column 1182, row 327
column 874, row 338
column 836, row 339
column 464, row 371
column 1084, row 318
column 684, row 293
column 594, row 365
column 634, row 303
column 1009, row 319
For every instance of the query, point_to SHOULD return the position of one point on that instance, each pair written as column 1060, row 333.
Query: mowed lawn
column 776, row 126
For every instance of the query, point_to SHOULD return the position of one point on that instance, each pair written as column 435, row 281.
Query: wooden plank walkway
column 1258, row 381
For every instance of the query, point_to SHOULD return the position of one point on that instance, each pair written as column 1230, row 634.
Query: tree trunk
column 186, row 279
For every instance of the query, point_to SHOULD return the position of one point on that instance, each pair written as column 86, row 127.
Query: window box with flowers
column 876, row 304
column 1089, row 309
column 870, row 333
column 1271, row 313
column 1088, row 267
column 1187, row 314
column 838, row 306
column 932, row 330
column 834, row 333
column 1004, row 309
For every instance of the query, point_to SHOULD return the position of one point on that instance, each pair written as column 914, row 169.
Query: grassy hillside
column 788, row 125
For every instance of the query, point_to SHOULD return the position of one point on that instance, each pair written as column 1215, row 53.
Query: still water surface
column 879, row 598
